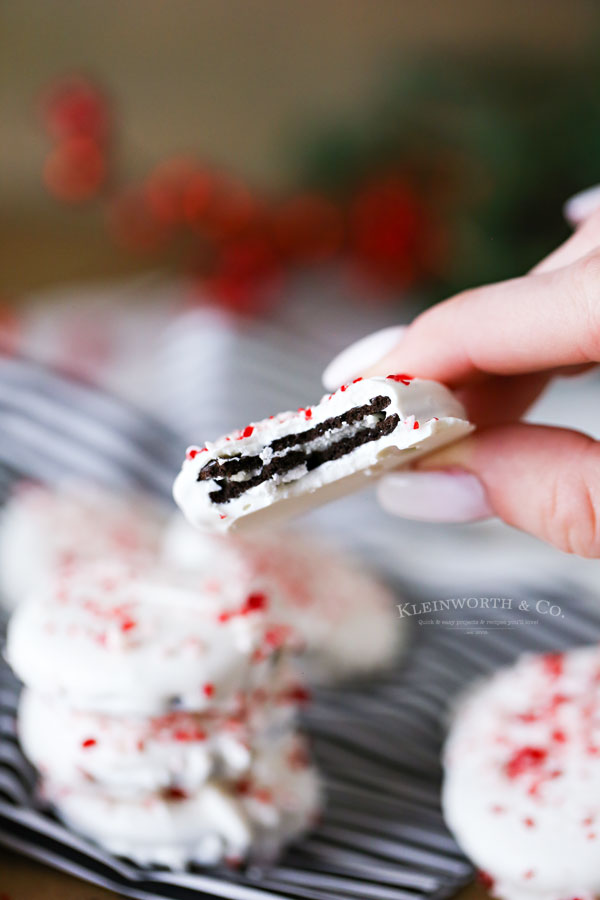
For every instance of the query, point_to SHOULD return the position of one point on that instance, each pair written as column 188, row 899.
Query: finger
column 528, row 324
column 582, row 205
column 497, row 400
column 585, row 240
column 364, row 352
column 545, row 481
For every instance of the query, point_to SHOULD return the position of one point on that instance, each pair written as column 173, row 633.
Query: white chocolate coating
column 110, row 639
column 522, row 785
column 429, row 417
column 129, row 755
column 345, row 618
column 43, row 531
column 275, row 803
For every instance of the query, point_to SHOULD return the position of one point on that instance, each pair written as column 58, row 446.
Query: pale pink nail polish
column 582, row 205
column 360, row 355
column 451, row 495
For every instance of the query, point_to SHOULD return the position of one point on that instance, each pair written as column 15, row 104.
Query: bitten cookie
column 289, row 462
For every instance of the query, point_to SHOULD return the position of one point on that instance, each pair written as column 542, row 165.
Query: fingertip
column 582, row 205
column 361, row 355
column 448, row 495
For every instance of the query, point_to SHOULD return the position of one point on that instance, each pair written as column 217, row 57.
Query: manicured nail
column 361, row 355
column 582, row 205
column 449, row 495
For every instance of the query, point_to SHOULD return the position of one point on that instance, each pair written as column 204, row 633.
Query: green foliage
column 493, row 146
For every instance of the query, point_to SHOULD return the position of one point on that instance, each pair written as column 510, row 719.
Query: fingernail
column 582, row 205
column 451, row 495
column 360, row 355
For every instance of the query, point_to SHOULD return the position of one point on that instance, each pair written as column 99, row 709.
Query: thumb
column 543, row 480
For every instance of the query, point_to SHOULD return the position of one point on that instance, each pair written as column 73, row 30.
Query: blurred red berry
column 247, row 277
column 308, row 228
column 232, row 209
column 389, row 230
column 132, row 223
column 75, row 107
column 197, row 197
column 166, row 190
column 75, row 170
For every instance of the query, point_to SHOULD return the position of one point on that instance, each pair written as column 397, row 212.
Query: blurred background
column 450, row 132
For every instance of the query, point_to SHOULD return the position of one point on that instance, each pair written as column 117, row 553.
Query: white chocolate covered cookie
column 275, row 802
column 345, row 618
column 111, row 639
column 289, row 462
column 522, row 777
column 44, row 531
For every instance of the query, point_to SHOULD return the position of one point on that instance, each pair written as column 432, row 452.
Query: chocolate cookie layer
column 258, row 472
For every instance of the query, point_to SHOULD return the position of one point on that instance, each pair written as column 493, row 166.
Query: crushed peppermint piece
column 402, row 378
column 254, row 602
column 485, row 880
column 525, row 759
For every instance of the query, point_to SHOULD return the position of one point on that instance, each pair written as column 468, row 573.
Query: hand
column 497, row 347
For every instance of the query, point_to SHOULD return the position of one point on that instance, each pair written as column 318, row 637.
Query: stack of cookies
column 161, row 666
column 160, row 710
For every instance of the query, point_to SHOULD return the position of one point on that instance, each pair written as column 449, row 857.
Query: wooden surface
column 24, row 879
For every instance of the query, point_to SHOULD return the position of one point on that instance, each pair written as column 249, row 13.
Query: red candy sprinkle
column 524, row 760
column 253, row 603
column 553, row 664
column 416, row 425
column 128, row 624
column 356, row 380
column 529, row 822
column 89, row 742
column 247, row 431
column 559, row 736
column 485, row 880
column 528, row 717
column 277, row 636
column 402, row 378
column 308, row 413
column 209, row 689
column 192, row 452
column 194, row 734
column 242, row 786
column 298, row 694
